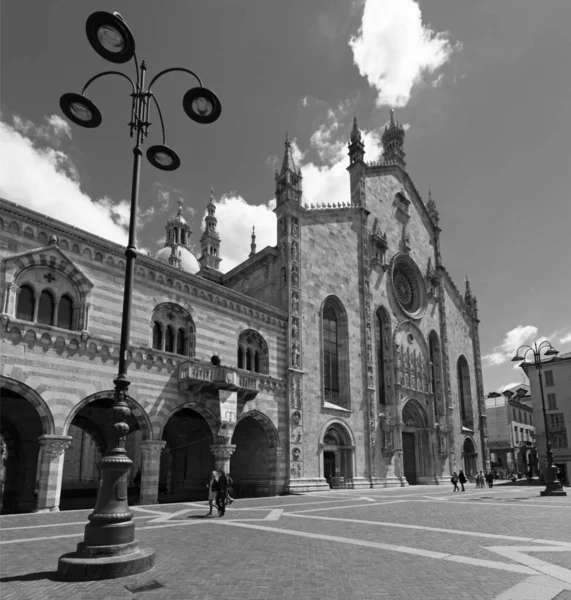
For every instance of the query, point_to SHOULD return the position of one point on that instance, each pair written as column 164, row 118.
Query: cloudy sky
column 484, row 89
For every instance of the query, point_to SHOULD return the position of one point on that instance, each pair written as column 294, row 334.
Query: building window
column 549, row 378
column 335, row 353
column 556, row 422
column 330, row 354
column 516, row 435
column 25, row 308
column 157, row 336
column 551, row 402
column 465, row 394
column 65, row 313
column 559, row 440
column 253, row 352
column 169, row 339
column 46, row 308
column 383, row 337
column 172, row 330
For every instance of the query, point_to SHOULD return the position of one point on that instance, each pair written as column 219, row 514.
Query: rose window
column 408, row 286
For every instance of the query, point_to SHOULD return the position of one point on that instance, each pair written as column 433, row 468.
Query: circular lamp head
column 110, row 37
column 80, row 110
column 552, row 352
column 201, row 105
column 517, row 358
column 163, row 158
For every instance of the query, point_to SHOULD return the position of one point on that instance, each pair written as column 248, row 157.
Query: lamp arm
column 109, row 73
column 174, row 69
column 542, row 345
column 160, row 117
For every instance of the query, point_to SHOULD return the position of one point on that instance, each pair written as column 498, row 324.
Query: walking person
column 490, row 479
column 229, row 489
column 462, row 479
column 212, row 486
column 454, row 481
column 221, row 494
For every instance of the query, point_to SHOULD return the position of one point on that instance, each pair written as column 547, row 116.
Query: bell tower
column 393, row 140
column 210, row 240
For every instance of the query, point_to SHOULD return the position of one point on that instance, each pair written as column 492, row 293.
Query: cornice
column 149, row 269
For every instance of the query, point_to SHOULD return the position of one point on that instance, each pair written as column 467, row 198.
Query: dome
column 177, row 219
column 189, row 262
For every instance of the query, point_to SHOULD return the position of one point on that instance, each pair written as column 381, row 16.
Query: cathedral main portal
column 416, row 444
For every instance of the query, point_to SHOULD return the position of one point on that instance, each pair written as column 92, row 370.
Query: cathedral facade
column 344, row 356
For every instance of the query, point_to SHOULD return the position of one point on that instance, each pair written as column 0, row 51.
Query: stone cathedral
column 344, row 356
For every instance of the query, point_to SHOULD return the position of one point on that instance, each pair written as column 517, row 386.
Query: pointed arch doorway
column 417, row 465
column 338, row 457
column 470, row 456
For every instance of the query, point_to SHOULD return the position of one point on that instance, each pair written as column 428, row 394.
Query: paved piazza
column 505, row 543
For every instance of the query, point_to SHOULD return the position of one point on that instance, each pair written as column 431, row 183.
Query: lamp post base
column 92, row 563
column 553, row 489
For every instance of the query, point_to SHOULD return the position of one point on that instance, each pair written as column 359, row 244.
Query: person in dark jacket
column 221, row 494
column 454, row 481
column 462, row 479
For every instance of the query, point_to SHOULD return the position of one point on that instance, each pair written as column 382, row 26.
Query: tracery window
column 383, row 340
column 44, row 308
column 465, row 395
column 253, row 352
column 65, row 312
column 172, row 329
column 335, row 354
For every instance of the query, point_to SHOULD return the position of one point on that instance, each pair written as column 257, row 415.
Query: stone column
column 150, row 470
column 51, row 471
column 222, row 454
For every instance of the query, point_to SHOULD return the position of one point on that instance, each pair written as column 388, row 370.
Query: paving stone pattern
column 209, row 559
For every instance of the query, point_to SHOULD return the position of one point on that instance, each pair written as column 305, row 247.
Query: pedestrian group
column 219, row 492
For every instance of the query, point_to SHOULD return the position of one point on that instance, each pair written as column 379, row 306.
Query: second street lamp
column 552, row 485
column 109, row 548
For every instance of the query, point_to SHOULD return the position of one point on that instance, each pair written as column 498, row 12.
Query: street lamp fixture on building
column 109, row 548
column 553, row 486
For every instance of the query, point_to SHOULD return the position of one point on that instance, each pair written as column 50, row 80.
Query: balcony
column 195, row 376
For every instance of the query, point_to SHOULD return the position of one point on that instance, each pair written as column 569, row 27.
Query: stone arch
column 34, row 399
column 162, row 418
column 414, row 415
column 138, row 411
column 469, row 456
column 267, row 425
column 337, row 445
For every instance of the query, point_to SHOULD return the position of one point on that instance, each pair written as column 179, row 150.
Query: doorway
column 329, row 467
column 409, row 457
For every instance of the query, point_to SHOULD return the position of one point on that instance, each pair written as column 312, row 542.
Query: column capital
column 152, row 447
column 54, row 444
column 222, row 450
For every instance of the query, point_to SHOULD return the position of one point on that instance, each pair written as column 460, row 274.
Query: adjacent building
column 557, row 397
column 511, row 431
column 344, row 355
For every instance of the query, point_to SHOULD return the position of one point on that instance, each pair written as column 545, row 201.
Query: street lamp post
column 109, row 548
column 553, row 486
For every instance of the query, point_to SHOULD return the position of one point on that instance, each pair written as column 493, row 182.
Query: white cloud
column 566, row 339
column 235, row 221
column 507, row 386
column 394, row 50
column 513, row 339
column 45, row 179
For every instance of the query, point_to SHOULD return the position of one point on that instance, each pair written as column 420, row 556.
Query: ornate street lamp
column 109, row 548
column 553, row 486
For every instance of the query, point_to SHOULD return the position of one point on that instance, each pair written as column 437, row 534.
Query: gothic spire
column 210, row 240
column 393, row 139
column 355, row 132
column 288, row 164
column 468, row 292
column 431, row 207
column 288, row 180
column 253, row 244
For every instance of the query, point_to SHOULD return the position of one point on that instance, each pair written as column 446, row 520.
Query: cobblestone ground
column 425, row 542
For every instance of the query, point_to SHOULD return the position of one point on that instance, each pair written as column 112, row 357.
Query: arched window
column 25, row 308
column 252, row 352
column 330, row 353
column 157, row 336
column 383, row 337
column 182, row 236
column 46, row 308
column 464, row 393
column 181, row 342
column 65, row 313
column 436, row 374
column 169, row 339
